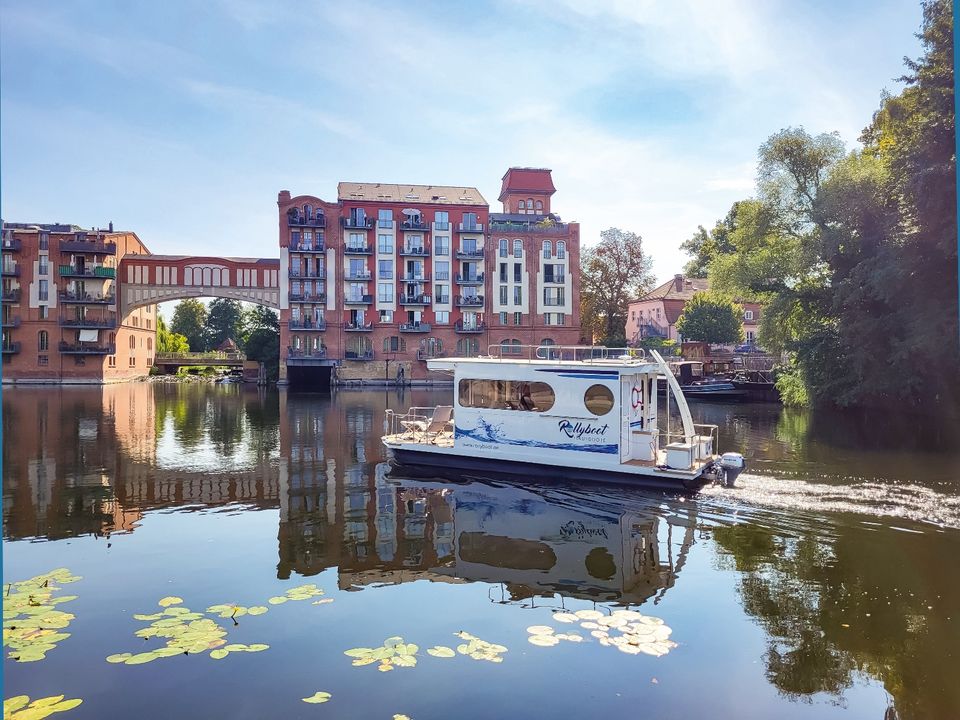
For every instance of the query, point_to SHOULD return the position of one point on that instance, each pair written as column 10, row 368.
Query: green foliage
column 791, row 386
column 190, row 320
column 170, row 342
column 705, row 246
column 711, row 318
column 224, row 322
column 257, row 317
column 612, row 272
column 263, row 345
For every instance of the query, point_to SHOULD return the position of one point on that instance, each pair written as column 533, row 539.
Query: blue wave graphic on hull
column 488, row 433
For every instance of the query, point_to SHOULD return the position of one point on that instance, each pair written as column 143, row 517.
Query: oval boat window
column 598, row 399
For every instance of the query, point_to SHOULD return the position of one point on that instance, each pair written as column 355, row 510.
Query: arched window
column 516, row 346
column 547, row 249
column 308, row 212
column 113, row 338
column 43, row 341
column 522, row 205
column 394, row 343
column 149, row 343
column 530, row 206
column 504, row 246
column 561, row 249
column 539, row 208
column 517, row 248
column 133, row 343
column 468, row 347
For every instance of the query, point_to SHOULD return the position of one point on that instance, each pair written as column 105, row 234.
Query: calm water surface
column 826, row 585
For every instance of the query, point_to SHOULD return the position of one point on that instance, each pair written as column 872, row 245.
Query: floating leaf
column 400, row 717
column 256, row 610
column 540, row 630
column 358, row 652
column 257, row 647
column 19, row 710
column 543, row 640
column 393, row 641
column 140, row 658
column 15, row 703
column 318, row 697
column 169, row 600
column 441, row 651
column 278, row 600
column 589, row 625
column 119, row 657
column 589, row 614
column 385, row 667
column 565, row 617
column 30, row 617
column 363, row 661
column 219, row 654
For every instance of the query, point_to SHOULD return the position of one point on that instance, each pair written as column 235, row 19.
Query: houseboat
column 577, row 413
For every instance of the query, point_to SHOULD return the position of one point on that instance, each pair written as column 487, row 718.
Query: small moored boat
column 581, row 413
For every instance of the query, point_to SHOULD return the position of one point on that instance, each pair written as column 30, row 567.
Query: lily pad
column 540, row 630
column 543, row 640
column 589, row 614
column 219, row 653
column 441, row 651
column 170, row 600
column 119, row 657
column 17, row 708
column 318, row 697
column 565, row 617
column 278, row 600
column 256, row 610
column 30, row 617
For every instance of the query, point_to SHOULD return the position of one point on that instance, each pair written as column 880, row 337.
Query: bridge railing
column 164, row 357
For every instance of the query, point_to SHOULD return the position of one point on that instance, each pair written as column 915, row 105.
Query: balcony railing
column 418, row 225
column 474, row 279
column 358, row 275
column 474, row 254
column 11, row 269
column 415, row 250
column 307, row 297
column 308, row 274
column 12, row 296
column 10, row 348
column 555, row 279
column 441, row 226
column 88, row 322
column 553, row 302
column 85, row 349
column 470, row 227
column 442, row 276
column 11, row 322
column 314, row 325
column 421, row 299
column 460, row 327
column 317, row 246
column 415, row 327
column 430, row 354
column 12, row 245
column 358, row 300
column 353, row 223
column 88, row 298
column 358, row 355
column 302, row 220
column 415, row 278
column 358, row 327
column 105, row 273
column 540, row 227
column 357, row 250
column 441, row 299
column 307, row 353
column 88, row 246
column 470, row 300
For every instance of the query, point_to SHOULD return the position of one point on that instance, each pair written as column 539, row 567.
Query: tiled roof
column 668, row 291
column 533, row 180
column 424, row 194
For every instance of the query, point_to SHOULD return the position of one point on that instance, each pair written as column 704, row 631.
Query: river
column 259, row 535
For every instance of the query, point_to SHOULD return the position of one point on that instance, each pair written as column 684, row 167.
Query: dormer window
column 748, row 314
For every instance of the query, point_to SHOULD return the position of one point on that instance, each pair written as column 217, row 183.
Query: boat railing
column 706, row 438
column 398, row 424
column 566, row 353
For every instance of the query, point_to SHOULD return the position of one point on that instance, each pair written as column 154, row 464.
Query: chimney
column 678, row 283
column 283, row 196
column 110, row 226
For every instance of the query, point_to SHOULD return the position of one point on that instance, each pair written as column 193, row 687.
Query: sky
column 182, row 120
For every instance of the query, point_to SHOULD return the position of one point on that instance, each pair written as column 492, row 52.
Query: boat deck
column 413, row 437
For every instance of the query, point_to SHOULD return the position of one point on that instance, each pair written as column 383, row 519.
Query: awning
column 411, row 212
column 88, row 335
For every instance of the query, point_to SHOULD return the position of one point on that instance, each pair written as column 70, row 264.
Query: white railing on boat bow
column 566, row 353
column 415, row 420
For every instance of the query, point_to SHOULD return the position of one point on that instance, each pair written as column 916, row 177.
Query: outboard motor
column 732, row 464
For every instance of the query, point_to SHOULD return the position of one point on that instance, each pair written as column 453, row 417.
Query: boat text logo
column 580, row 430
column 576, row 529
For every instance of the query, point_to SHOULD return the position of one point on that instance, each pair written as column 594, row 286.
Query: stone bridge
column 149, row 279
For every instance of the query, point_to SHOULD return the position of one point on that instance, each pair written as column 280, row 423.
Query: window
column 503, row 318
column 517, row 318
column 441, row 294
column 112, row 361
column 506, row 395
column 441, row 219
column 384, row 292
column 386, row 316
column 44, row 312
column 547, row 249
column 113, row 338
column 385, row 269
column 44, row 241
column 441, row 245
column 442, row 317
column 385, row 218
column 518, row 295
column 554, row 318
column 504, row 245
column 394, row 344
column 503, row 272
column 748, row 314
column 530, row 206
column 43, row 359
column 561, row 249
column 522, row 205
column 384, row 244
column 553, row 296
column 441, row 269
column 598, row 400
column 133, row 343
column 357, row 241
column 517, row 272
column 517, row 249
column 149, row 343
column 539, row 207
column 750, row 336
column 469, row 221
column 44, row 267
column 43, row 341
column 503, row 294
column 43, row 293
column 295, row 239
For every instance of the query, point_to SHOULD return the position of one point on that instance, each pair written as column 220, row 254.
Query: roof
column 523, row 179
column 668, row 291
column 425, row 194
column 203, row 258
column 49, row 227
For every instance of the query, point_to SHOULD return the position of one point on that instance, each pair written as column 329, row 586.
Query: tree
column 259, row 316
column 190, row 320
column 704, row 246
column 711, row 318
column 612, row 272
column 224, row 321
column 170, row 342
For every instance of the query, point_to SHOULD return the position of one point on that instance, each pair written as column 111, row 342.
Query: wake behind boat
column 581, row 413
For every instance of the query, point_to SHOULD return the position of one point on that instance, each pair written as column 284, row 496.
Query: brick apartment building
column 391, row 275
column 59, row 306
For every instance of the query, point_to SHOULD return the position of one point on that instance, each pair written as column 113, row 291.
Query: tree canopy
column 190, row 320
column 170, row 342
column 711, row 318
column 224, row 322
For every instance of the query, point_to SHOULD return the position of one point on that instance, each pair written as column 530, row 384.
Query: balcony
column 553, row 302
column 97, row 272
column 88, row 246
column 474, row 254
column 83, row 349
column 443, row 275
column 11, row 245
column 11, row 296
column 308, row 274
column 358, row 355
column 415, row 251
column 308, row 325
column 441, row 299
column 358, row 327
column 415, row 327
column 88, row 298
column 475, row 279
column 357, row 250
column 10, row 348
column 315, row 247
column 415, row 278
column 470, row 227
column 358, row 300
column 11, row 270
column 430, row 354
column 415, row 299
column 303, row 297
column 548, row 227
column 415, row 226
column 441, row 226
column 358, row 275
column 298, row 220
column 88, row 322
column 306, row 356
column 554, row 279
column 11, row 322
column 471, row 328
column 354, row 223
column 470, row 301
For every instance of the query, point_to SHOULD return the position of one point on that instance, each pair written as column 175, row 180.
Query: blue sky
column 182, row 120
